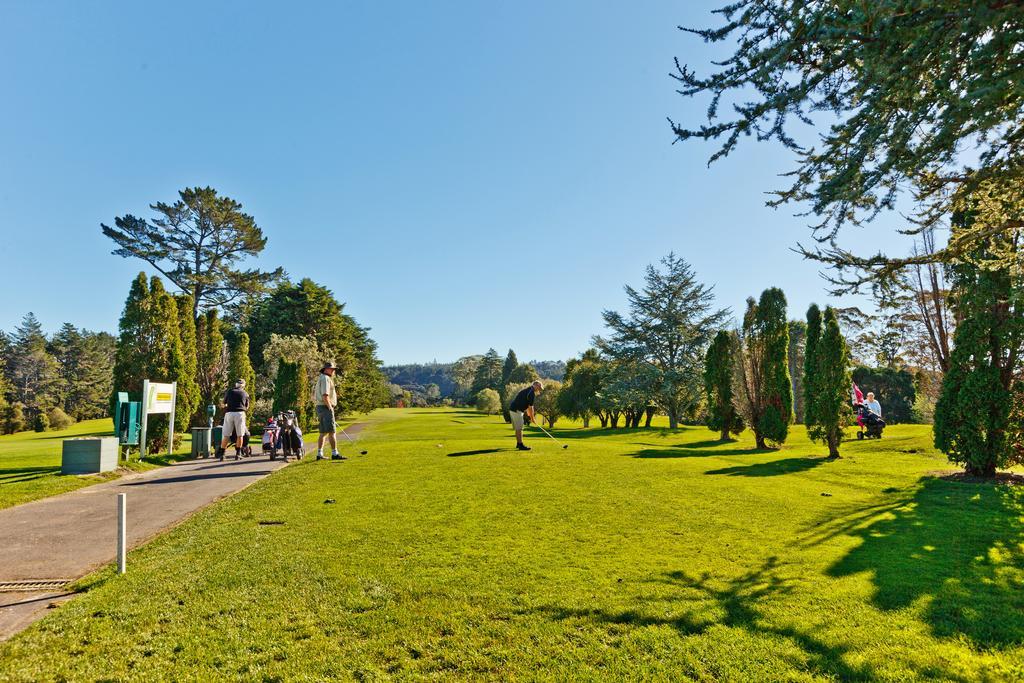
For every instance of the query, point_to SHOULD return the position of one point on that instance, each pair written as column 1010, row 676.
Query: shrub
column 547, row 401
column 488, row 401
column 14, row 418
column 59, row 419
column 41, row 423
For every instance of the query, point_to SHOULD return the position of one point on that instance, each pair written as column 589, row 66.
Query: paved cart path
column 63, row 538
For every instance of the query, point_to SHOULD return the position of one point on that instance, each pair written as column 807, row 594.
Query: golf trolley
column 288, row 439
column 871, row 425
column 244, row 452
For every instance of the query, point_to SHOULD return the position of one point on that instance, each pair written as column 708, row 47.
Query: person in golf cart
column 873, row 405
column 521, row 407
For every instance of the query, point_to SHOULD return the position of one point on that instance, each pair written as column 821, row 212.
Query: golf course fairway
column 634, row 554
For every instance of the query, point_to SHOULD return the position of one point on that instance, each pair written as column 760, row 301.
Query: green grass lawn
column 632, row 555
column 30, row 463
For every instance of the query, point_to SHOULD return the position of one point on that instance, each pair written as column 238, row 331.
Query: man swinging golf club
column 325, row 397
column 521, row 406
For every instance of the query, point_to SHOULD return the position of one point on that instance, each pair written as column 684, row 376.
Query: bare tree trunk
column 649, row 412
column 833, row 445
column 930, row 301
column 586, row 421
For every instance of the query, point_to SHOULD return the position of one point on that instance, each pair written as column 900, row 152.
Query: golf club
column 351, row 439
column 563, row 445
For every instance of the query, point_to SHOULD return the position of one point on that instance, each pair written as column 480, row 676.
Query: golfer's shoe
column 522, row 447
column 321, row 456
column 338, row 456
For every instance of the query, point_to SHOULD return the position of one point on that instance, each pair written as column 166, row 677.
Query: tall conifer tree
column 762, row 388
column 212, row 359
column 188, row 382
column 976, row 422
column 133, row 343
column 718, row 371
column 810, row 358
column 827, row 411
column 240, row 366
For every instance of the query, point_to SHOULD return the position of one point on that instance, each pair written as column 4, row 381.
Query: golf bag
column 246, row 450
column 870, row 423
column 291, row 435
column 271, row 439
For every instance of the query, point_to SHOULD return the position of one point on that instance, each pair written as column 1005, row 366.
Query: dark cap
column 328, row 366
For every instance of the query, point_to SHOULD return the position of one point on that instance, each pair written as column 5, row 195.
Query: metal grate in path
column 33, row 585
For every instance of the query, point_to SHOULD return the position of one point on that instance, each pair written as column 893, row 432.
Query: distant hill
column 415, row 376
column 422, row 374
column 550, row 369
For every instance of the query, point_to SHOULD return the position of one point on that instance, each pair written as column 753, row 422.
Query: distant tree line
column 458, row 383
column 52, row 382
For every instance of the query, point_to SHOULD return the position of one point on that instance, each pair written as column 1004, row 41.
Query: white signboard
column 160, row 398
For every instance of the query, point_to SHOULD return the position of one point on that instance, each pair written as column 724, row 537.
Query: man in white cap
column 521, row 406
column 236, row 403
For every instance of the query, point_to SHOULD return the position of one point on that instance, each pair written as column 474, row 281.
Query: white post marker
column 122, row 532
column 145, row 415
column 170, row 424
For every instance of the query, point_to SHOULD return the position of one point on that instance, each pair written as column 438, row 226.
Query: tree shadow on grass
column 695, row 449
column 427, row 411
column 703, row 602
column 17, row 475
column 163, row 459
column 482, row 451
column 771, row 468
column 709, row 443
column 597, row 432
column 683, row 452
column 956, row 549
column 62, row 436
column 199, row 477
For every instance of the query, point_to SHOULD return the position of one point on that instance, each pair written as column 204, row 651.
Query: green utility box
column 127, row 419
column 89, row 455
column 218, row 435
column 201, row 442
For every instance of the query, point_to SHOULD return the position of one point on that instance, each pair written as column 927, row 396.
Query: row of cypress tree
column 747, row 380
column 979, row 418
column 157, row 341
column 160, row 340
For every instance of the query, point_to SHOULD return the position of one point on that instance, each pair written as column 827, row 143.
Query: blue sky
column 461, row 174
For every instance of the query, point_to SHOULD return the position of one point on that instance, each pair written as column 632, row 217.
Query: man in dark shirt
column 236, row 403
column 522, row 405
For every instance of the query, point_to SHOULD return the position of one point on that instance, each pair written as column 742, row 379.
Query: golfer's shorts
column 234, row 425
column 325, row 415
column 517, row 419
